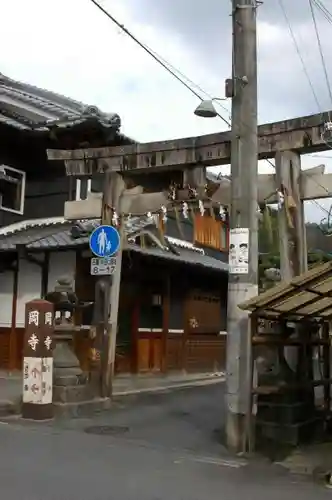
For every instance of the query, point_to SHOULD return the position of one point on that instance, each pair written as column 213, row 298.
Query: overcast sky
column 69, row 46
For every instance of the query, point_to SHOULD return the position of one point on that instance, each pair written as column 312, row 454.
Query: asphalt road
column 160, row 447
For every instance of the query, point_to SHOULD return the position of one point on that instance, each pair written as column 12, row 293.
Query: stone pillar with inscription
column 38, row 360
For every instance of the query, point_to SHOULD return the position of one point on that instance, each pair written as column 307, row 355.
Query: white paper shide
column 239, row 250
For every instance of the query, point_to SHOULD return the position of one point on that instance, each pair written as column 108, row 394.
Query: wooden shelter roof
column 306, row 296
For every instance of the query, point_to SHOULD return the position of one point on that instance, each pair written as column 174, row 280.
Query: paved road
column 167, row 452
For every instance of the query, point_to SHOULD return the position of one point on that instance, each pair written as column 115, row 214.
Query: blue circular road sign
column 104, row 241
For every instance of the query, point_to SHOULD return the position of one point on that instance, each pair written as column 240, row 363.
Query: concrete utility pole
column 243, row 215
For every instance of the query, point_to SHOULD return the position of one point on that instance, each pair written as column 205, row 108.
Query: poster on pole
column 239, row 250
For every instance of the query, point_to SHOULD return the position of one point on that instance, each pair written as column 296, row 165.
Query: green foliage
column 269, row 245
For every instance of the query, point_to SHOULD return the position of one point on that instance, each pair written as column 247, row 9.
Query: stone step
column 81, row 408
column 72, row 393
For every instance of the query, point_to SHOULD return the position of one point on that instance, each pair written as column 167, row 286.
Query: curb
column 168, row 388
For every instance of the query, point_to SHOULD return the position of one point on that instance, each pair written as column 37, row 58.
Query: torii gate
column 285, row 141
column 298, row 135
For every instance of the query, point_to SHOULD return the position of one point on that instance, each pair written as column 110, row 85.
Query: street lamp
column 206, row 108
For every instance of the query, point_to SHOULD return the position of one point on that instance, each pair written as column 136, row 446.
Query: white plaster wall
column 6, row 298
column 29, row 284
column 61, row 264
column 29, row 288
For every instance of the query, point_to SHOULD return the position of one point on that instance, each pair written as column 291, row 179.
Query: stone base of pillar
column 73, row 393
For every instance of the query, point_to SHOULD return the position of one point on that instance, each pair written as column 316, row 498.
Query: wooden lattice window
column 210, row 232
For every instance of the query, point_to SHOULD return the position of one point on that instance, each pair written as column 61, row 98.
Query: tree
column 319, row 243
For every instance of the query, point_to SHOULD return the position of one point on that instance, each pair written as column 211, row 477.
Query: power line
column 175, row 72
column 307, row 75
column 320, row 48
column 324, row 10
column 151, row 53
column 304, row 68
column 320, row 206
column 166, row 65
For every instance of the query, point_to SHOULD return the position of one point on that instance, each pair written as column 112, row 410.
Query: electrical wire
column 307, row 75
column 155, row 56
column 296, row 45
column 324, row 10
column 175, row 72
column 320, row 48
column 167, row 66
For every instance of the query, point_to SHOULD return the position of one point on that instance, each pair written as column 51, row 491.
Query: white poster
column 239, row 250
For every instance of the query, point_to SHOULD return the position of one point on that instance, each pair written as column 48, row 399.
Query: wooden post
column 12, row 334
column 327, row 366
column 292, row 235
column 166, row 313
column 112, row 327
column 185, row 319
column 113, row 189
column 38, row 360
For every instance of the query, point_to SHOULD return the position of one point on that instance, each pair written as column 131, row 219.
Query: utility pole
column 243, row 278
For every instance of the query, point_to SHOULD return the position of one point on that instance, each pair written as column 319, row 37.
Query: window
column 211, row 233
column 12, row 190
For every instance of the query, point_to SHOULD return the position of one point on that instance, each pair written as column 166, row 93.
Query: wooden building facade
column 172, row 313
column 173, row 292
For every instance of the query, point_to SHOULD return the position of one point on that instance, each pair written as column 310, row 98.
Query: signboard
column 104, row 241
column 103, row 266
column 32, row 381
column 37, row 382
column 38, row 360
column 239, row 250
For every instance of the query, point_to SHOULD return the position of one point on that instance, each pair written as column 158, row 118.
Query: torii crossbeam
column 302, row 134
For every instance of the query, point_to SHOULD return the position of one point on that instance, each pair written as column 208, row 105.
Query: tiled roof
column 30, row 223
column 185, row 256
column 27, row 107
column 27, row 234
column 55, row 233
column 62, row 237
column 184, row 244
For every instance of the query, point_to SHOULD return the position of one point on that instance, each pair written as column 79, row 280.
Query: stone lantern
column 67, row 370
